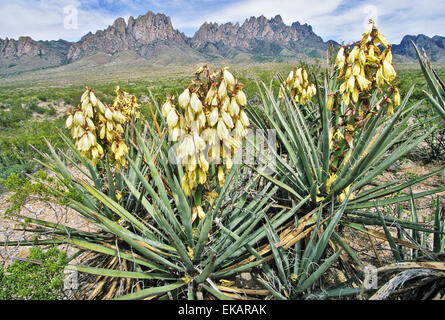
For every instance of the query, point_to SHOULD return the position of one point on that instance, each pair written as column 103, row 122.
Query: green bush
column 16, row 153
column 42, row 280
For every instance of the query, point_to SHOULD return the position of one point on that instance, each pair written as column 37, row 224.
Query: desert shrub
column 38, row 277
column 17, row 145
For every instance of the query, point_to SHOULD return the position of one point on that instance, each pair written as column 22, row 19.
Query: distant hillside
column 434, row 47
column 152, row 38
column 26, row 54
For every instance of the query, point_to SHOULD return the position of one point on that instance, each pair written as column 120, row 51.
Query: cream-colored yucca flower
column 172, row 118
column 388, row 70
column 363, row 83
column 184, row 98
column 241, row 98
column 227, row 120
column 233, row 107
column 69, row 121
column 340, row 60
column 223, row 132
column 195, row 103
column 166, row 108
column 229, row 78
column 222, row 91
column 214, row 116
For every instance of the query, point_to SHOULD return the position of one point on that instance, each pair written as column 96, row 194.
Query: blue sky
column 340, row 20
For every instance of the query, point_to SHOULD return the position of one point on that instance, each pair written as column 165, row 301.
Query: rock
column 71, row 279
column 406, row 164
column 26, row 53
column 247, row 280
column 255, row 35
column 141, row 32
column 144, row 99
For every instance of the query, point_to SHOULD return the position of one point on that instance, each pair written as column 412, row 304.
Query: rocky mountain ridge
column 153, row 37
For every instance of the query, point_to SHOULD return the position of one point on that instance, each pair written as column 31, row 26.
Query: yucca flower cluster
column 301, row 89
column 209, row 125
column 365, row 67
column 127, row 104
column 98, row 129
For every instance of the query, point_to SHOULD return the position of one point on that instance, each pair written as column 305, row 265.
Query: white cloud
column 334, row 19
column 290, row 11
column 331, row 19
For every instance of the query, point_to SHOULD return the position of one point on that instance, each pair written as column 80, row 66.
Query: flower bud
column 69, row 121
column 233, row 107
column 172, row 118
column 213, row 117
column 229, row 79
column 221, row 177
column 396, row 97
column 91, row 138
column 203, row 163
column 340, row 60
column 90, row 124
column 102, row 133
column 100, row 106
column 195, row 103
column 353, row 54
column 355, row 94
column 388, row 70
column 184, row 98
column 166, row 108
column 330, row 103
column 227, row 120
column 79, row 118
column 93, row 98
column 241, row 98
column 108, row 114
column 222, row 91
column 244, row 119
column 174, row 134
column 222, row 131
column 85, row 96
column 351, row 83
column 201, row 213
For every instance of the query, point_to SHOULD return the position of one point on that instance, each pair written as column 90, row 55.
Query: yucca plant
column 152, row 241
column 332, row 149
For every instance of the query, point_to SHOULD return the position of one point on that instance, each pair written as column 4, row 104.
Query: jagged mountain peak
column 135, row 35
column 434, row 47
column 153, row 37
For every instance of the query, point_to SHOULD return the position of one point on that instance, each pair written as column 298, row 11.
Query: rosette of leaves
column 149, row 245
